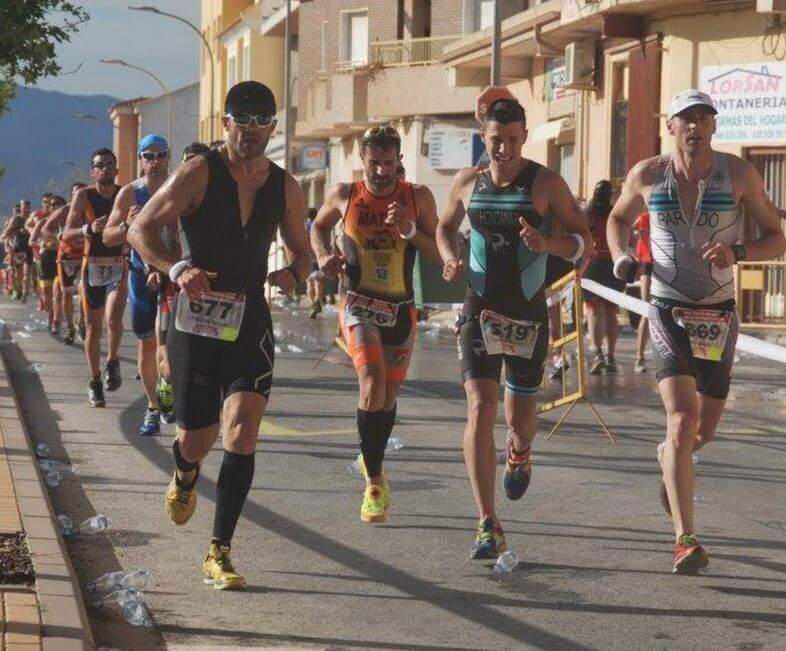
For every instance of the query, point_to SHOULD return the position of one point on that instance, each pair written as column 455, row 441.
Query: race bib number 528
column 217, row 315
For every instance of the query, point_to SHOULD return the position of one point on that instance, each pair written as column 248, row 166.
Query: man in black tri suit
column 229, row 203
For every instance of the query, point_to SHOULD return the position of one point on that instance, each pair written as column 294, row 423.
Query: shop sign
column 313, row 157
column 452, row 148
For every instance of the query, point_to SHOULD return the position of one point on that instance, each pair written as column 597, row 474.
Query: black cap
column 250, row 97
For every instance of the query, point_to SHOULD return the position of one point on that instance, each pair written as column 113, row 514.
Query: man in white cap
column 693, row 196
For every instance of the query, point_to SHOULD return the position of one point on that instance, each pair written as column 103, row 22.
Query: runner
column 693, row 197
column 513, row 205
column 385, row 221
column 641, row 228
column 44, row 246
column 315, row 283
column 556, row 268
column 143, row 282
column 69, row 262
column 37, row 216
column 228, row 203
column 102, row 282
column 18, row 238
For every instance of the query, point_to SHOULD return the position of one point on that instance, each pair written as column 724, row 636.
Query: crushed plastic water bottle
column 42, row 450
column 37, row 367
column 67, row 527
column 699, row 498
column 53, row 471
column 506, row 563
column 394, row 443
column 354, row 469
column 23, row 335
column 133, row 608
column 113, row 581
column 30, row 327
column 294, row 348
column 96, row 524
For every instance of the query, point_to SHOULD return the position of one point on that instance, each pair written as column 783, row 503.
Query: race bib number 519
column 706, row 329
column 508, row 336
column 217, row 315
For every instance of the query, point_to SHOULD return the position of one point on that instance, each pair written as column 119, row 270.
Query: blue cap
column 150, row 140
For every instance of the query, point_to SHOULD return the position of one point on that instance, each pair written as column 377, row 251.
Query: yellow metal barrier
column 571, row 399
column 760, row 292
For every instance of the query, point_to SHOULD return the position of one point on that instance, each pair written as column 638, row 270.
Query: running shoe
column 112, row 379
column 166, row 400
column 689, row 556
column 70, row 336
column 316, row 308
column 82, row 330
column 639, row 366
column 95, row 394
column 181, row 500
column 40, row 306
column 151, row 425
column 489, row 541
column 664, row 496
column 559, row 369
column 54, row 329
column 361, row 464
column 218, row 570
column 518, row 471
column 598, row 364
column 373, row 508
column 611, row 364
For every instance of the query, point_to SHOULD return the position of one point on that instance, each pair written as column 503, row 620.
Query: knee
column 682, row 428
column 113, row 323
column 480, row 410
column 240, row 438
column 193, row 448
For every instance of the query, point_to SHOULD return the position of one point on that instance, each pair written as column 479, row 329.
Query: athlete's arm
column 630, row 205
column 447, row 234
column 30, row 223
column 114, row 232
column 35, row 234
column 57, row 218
column 764, row 213
column 424, row 238
column 293, row 233
column 562, row 205
column 329, row 260
column 72, row 231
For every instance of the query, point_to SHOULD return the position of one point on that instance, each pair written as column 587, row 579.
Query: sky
column 164, row 46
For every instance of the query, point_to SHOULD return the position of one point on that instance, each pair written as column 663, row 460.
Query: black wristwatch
column 739, row 251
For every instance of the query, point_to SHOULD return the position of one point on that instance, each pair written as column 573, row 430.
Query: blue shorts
column 143, row 302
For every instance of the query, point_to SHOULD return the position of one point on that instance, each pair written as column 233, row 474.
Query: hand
column 625, row 268
column 717, row 254
column 452, row 269
column 532, row 237
column 133, row 211
column 284, row 279
column 154, row 280
column 332, row 264
column 195, row 282
column 98, row 225
column 396, row 212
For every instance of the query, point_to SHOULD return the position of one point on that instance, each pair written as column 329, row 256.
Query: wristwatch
column 739, row 251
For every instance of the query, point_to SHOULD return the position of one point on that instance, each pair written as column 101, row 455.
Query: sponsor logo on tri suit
column 675, row 217
column 380, row 241
column 498, row 242
column 368, row 218
column 498, row 219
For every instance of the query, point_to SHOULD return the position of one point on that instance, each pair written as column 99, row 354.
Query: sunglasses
column 246, row 119
column 154, row 155
column 102, row 166
column 381, row 130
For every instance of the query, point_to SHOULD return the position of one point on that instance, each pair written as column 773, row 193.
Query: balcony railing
column 412, row 52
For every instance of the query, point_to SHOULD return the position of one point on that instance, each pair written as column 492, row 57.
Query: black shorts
column 556, row 268
column 68, row 272
column 23, row 257
column 601, row 270
column 206, row 371
column 672, row 350
column 48, row 265
column 523, row 376
column 94, row 298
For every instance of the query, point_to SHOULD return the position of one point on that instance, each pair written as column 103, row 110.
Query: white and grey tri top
column 678, row 232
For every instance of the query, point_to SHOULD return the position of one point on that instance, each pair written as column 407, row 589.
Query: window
column 354, row 41
column 246, row 60
column 479, row 14
column 567, row 166
column 323, row 46
column 619, row 121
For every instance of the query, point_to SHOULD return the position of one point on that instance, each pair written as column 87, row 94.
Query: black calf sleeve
column 180, row 462
column 388, row 418
column 372, row 439
column 234, row 482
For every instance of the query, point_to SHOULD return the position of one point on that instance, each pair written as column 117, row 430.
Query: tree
column 28, row 37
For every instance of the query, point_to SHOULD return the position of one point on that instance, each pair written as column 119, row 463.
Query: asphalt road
column 594, row 543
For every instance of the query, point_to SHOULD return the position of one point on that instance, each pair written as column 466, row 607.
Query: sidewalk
column 49, row 614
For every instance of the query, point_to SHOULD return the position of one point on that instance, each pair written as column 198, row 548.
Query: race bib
column 362, row 309
column 20, row 257
column 104, row 271
column 706, row 329
column 71, row 267
column 508, row 336
column 217, row 315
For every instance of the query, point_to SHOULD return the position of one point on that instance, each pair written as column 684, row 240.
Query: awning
column 560, row 130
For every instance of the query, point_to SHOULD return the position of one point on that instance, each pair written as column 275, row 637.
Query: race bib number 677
column 706, row 329
column 217, row 315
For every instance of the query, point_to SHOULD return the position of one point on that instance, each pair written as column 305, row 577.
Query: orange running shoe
column 689, row 556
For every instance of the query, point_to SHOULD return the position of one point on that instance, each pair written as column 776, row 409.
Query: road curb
column 65, row 626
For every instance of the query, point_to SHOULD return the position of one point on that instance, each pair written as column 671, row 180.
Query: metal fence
column 411, row 52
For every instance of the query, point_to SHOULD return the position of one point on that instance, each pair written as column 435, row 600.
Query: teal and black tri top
column 505, row 275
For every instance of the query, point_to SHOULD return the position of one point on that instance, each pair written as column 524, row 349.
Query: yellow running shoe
column 361, row 463
column 218, row 570
column 373, row 508
column 181, row 502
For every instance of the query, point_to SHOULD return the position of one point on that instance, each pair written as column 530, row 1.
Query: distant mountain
column 38, row 130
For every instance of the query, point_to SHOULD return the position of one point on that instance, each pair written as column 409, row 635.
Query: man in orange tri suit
column 386, row 220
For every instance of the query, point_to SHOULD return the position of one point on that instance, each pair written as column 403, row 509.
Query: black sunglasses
column 102, row 166
column 154, row 155
column 245, row 119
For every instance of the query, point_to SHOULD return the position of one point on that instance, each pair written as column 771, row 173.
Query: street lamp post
column 287, row 90
column 496, row 67
column 155, row 10
column 118, row 62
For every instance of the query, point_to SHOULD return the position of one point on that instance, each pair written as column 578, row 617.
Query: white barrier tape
column 746, row 343
column 561, row 295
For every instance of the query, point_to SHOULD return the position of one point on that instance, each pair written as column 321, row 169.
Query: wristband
column 579, row 247
column 86, row 230
column 178, row 268
column 625, row 267
column 410, row 234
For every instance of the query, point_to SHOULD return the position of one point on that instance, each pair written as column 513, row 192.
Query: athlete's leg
column 710, row 412
column 610, row 327
column 682, row 419
column 595, row 324
column 94, row 321
column 522, row 419
column 555, row 325
column 370, row 416
column 644, row 330
column 480, row 453
column 115, row 307
column 190, row 447
column 57, row 302
column 148, row 369
column 27, row 279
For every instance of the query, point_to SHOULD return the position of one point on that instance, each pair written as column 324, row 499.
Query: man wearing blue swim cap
column 143, row 282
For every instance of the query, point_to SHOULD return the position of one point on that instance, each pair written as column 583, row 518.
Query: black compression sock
column 372, row 441
column 388, row 418
column 182, row 465
column 234, row 482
